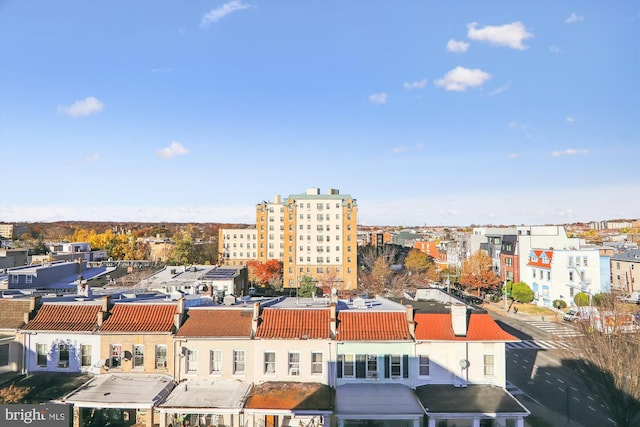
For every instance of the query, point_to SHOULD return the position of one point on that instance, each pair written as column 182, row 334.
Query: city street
column 539, row 375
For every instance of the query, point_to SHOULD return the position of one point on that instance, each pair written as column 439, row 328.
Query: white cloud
column 175, row 149
column 570, row 152
column 399, row 149
column 554, row 49
column 514, row 155
column 378, row 98
column 84, row 107
column 93, row 158
column 515, row 124
column 573, row 18
column 509, row 35
column 460, row 78
column 501, row 89
column 457, row 46
column 415, row 85
column 570, row 119
column 214, row 15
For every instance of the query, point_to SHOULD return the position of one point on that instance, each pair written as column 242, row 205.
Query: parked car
column 632, row 298
column 575, row 316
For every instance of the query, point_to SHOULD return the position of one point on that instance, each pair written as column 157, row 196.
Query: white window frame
column 191, row 361
column 63, row 363
column 294, row 363
column 41, row 354
column 348, row 361
column 317, row 366
column 395, row 364
column 269, row 358
column 239, row 362
column 138, row 356
column 215, row 362
column 371, row 361
column 161, row 360
column 489, row 361
column 424, row 365
column 85, row 355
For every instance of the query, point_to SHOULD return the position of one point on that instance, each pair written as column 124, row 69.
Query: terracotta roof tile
column 295, row 324
column 217, row 323
column 140, row 318
column 290, row 396
column 65, row 317
column 373, row 326
column 542, row 258
column 437, row 327
column 12, row 313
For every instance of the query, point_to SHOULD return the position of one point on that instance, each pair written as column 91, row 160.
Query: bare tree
column 605, row 357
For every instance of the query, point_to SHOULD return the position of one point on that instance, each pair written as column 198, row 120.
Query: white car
column 632, row 298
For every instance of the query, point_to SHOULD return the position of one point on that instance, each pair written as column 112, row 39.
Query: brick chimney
column 459, row 320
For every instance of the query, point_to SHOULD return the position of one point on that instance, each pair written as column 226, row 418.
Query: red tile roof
column 437, row 327
column 540, row 257
column 140, row 318
column 372, row 326
column 12, row 313
column 65, row 317
column 295, row 323
column 290, row 396
column 216, row 322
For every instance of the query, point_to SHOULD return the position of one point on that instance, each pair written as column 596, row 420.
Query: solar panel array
column 220, row 273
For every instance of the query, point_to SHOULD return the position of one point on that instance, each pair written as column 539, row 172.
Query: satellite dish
column 464, row 363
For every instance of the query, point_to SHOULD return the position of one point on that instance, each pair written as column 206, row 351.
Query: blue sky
column 426, row 112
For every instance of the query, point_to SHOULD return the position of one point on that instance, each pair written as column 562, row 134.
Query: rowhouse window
column 161, row 357
column 41, row 350
column 396, row 366
column 215, row 361
column 316, row 363
column 489, row 365
column 238, row 362
column 63, row 355
column 138, row 356
column 269, row 362
column 192, row 361
column 423, row 362
column 85, row 354
column 294, row 363
column 115, row 356
column 372, row 366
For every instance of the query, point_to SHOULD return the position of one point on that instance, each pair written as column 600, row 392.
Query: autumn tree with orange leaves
column 477, row 273
column 265, row 273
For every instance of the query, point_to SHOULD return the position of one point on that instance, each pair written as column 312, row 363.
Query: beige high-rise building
column 314, row 235
column 6, row 231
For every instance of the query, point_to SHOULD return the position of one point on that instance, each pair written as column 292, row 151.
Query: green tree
column 417, row 261
column 308, row 287
column 581, row 299
column 521, row 292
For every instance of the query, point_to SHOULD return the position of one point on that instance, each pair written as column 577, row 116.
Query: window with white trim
column 191, row 358
column 316, row 363
column 138, row 356
column 489, row 365
column 396, row 366
column 239, row 362
column 372, row 366
column 63, row 355
column 41, row 351
column 161, row 356
column 269, row 362
column 294, row 363
column 85, row 355
column 115, row 356
column 215, row 361
column 423, row 365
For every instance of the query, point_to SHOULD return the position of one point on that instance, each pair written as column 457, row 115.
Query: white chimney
column 459, row 320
